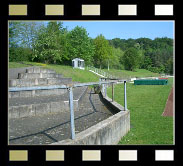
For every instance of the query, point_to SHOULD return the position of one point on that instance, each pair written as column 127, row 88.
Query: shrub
column 17, row 54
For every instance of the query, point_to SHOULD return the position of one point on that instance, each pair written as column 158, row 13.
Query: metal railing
column 100, row 72
column 70, row 87
column 104, row 74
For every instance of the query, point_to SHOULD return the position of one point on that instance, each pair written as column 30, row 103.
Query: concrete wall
column 108, row 132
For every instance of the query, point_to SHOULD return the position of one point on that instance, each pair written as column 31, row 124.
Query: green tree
column 50, row 44
column 103, row 51
column 169, row 66
column 131, row 59
column 21, row 38
column 117, row 60
column 80, row 45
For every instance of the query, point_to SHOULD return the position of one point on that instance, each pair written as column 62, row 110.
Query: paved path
column 55, row 127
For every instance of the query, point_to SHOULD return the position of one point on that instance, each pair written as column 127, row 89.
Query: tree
column 50, row 44
column 21, row 37
column 103, row 51
column 169, row 66
column 23, row 33
column 147, row 62
column 131, row 59
column 117, row 59
column 80, row 45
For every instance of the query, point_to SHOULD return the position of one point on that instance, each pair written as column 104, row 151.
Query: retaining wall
column 108, row 132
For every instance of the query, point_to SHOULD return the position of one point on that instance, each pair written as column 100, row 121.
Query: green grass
column 146, row 104
column 16, row 65
column 77, row 75
column 136, row 73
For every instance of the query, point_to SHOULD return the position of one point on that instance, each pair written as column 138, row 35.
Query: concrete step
column 33, row 106
column 39, row 70
column 36, row 93
column 38, row 75
column 50, row 128
column 38, row 81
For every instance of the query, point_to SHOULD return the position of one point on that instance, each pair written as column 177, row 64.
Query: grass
column 77, row 75
column 16, row 65
column 146, row 104
column 136, row 73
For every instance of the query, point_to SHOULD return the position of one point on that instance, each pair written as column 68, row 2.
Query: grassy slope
column 67, row 71
column 146, row 104
column 76, row 74
column 16, row 65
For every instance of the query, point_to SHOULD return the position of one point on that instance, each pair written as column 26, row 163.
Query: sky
column 125, row 29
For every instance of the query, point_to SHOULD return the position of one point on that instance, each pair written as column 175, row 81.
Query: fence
column 70, row 87
column 104, row 74
column 100, row 72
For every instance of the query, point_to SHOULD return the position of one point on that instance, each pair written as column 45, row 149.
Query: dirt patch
column 168, row 111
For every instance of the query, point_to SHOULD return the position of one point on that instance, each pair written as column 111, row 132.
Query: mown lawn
column 136, row 73
column 146, row 104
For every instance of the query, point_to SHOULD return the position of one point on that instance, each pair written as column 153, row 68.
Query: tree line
column 53, row 43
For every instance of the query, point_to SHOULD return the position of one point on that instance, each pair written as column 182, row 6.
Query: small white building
column 78, row 63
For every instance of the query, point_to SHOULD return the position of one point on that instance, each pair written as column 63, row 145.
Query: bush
column 17, row 54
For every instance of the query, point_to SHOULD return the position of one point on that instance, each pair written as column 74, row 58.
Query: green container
column 151, row 82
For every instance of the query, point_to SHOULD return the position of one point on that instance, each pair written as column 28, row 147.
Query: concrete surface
column 38, row 81
column 54, row 127
column 38, row 75
column 33, row 106
column 107, row 132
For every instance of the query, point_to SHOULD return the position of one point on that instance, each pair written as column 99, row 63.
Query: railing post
column 112, row 92
column 125, row 99
column 102, row 86
column 71, row 113
column 105, row 89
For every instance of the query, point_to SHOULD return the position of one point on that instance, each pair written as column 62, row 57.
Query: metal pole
column 125, row 99
column 105, row 90
column 112, row 92
column 102, row 86
column 71, row 113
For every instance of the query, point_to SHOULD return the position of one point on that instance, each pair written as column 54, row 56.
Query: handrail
column 70, row 87
column 66, row 86
column 99, row 71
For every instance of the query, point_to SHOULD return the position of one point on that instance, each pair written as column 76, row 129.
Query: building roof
column 77, row 59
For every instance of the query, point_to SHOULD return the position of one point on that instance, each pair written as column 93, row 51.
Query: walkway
column 51, row 128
